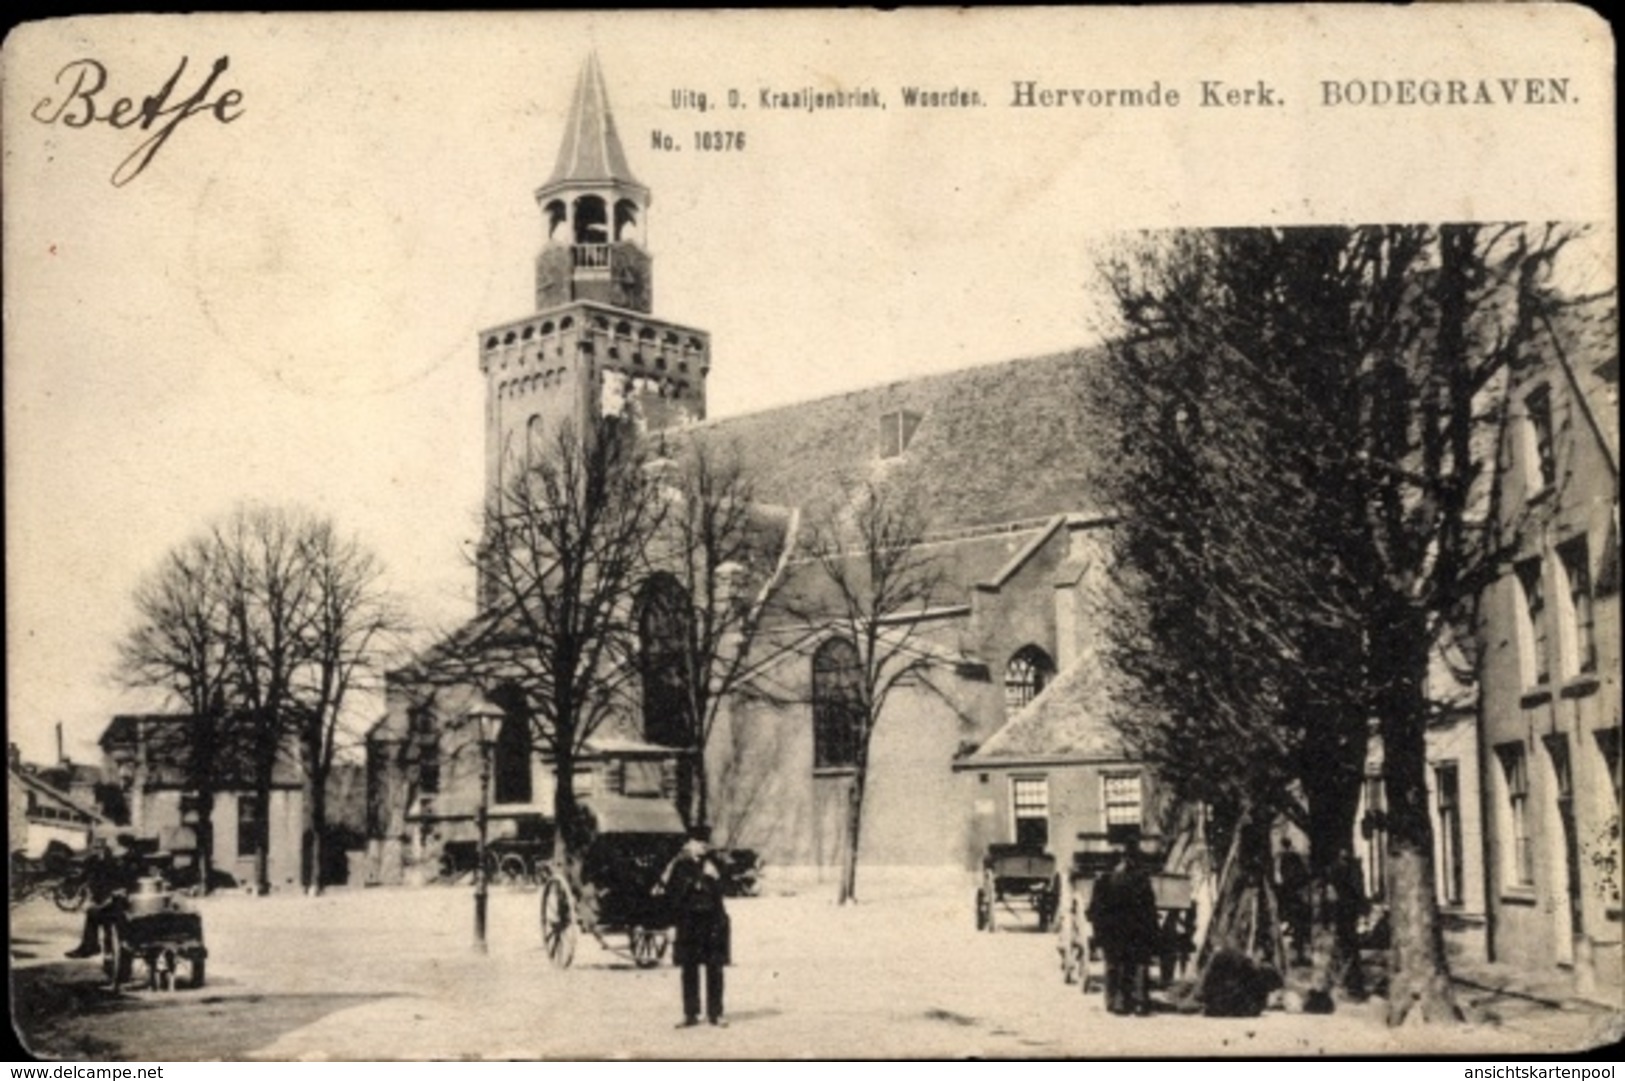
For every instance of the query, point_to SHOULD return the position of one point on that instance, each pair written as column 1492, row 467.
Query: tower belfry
column 594, row 211
column 591, row 351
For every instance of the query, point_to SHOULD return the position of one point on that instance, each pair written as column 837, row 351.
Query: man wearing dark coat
column 693, row 882
column 1123, row 916
column 110, row 877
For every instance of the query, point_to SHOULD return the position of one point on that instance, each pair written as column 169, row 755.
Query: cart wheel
column 70, row 896
column 558, row 923
column 648, row 947
column 511, row 870
column 117, row 960
column 984, row 910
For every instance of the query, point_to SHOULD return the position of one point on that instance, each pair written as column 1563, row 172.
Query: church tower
column 591, row 350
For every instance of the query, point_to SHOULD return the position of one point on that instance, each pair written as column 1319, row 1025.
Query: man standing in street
column 1123, row 916
column 693, row 882
column 110, row 877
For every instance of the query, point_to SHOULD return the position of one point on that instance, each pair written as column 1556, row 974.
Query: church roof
column 591, row 151
column 976, row 448
column 1068, row 722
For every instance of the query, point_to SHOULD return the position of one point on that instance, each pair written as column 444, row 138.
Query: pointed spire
column 591, row 151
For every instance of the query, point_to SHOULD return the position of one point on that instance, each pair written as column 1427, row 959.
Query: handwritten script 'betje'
column 79, row 108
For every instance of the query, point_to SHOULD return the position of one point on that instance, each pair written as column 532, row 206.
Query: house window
column 1532, row 623
column 1029, row 796
column 837, row 705
column 1027, row 674
column 1540, row 460
column 663, row 632
column 428, row 766
column 1122, row 799
column 1515, row 768
column 1447, row 781
column 511, row 760
column 896, row 429
column 249, row 817
column 1578, row 619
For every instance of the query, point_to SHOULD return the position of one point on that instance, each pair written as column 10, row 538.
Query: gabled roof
column 591, row 151
column 168, row 743
column 994, row 444
column 49, row 793
column 1069, row 722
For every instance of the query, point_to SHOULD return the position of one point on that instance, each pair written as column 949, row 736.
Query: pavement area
column 391, row 974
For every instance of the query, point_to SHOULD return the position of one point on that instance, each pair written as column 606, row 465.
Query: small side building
column 151, row 755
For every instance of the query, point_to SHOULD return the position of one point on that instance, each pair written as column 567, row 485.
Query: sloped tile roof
column 1070, row 720
column 995, row 444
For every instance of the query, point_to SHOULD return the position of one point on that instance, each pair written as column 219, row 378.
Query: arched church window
column 534, row 433
column 663, row 616
column 510, row 759
column 837, row 704
column 1025, row 677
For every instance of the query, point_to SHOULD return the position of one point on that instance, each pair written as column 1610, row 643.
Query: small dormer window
column 896, row 429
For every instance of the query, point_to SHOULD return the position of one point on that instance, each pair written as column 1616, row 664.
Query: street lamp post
column 487, row 722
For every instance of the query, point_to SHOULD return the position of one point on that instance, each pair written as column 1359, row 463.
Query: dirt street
column 390, row 974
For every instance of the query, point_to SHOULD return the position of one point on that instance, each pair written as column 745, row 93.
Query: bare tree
column 180, row 645
column 269, row 595
column 566, row 543
column 727, row 558
column 346, row 633
column 881, row 581
column 261, row 627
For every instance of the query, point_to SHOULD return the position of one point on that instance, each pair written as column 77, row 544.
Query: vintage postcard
column 1016, row 534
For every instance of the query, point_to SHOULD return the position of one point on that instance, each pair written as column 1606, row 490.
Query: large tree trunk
column 262, row 836
column 701, row 789
column 854, row 826
column 316, row 801
column 1333, row 948
column 205, row 840
column 568, row 841
column 1418, row 977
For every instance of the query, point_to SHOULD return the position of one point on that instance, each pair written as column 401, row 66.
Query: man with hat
column 1123, row 916
column 110, row 876
column 693, row 882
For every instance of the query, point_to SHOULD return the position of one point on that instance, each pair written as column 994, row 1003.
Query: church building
column 1001, row 736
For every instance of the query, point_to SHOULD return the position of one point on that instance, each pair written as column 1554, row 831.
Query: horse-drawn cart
column 1011, row 871
column 610, row 890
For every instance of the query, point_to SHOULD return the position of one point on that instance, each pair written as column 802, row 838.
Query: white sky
column 286, row 308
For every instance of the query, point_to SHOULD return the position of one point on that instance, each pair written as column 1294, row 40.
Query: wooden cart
column 611, row 891
column 154, row 930
column 1012, row 872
